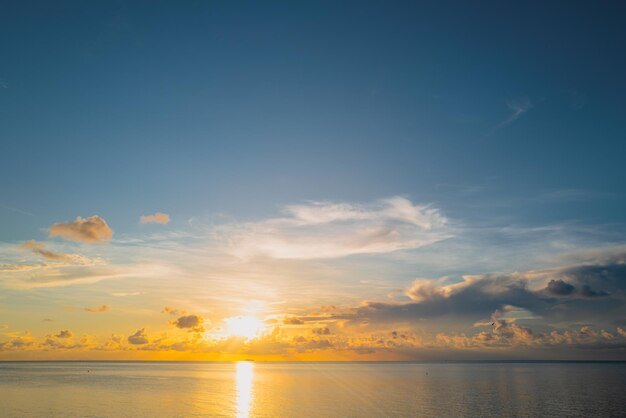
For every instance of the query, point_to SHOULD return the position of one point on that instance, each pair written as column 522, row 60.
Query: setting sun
column 243, row 326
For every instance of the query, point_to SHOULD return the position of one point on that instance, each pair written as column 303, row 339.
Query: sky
column 312, row 180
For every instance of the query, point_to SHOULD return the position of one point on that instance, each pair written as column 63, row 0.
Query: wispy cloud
column 331, row 230
column 39, row 248
column 16, row 210
column 101, row 308
column 124, row 294
column 518, row 108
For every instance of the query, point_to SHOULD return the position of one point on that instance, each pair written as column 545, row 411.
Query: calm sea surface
column 103, row 389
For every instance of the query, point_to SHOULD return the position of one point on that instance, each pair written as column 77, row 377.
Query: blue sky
column 505, row 118
column 215, row 106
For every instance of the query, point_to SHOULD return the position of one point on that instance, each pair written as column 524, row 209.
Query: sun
column 243, row 326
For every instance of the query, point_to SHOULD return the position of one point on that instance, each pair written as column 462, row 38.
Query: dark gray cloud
column 64, row 334
column 560, row 288
column 592, row 292
column 588, row 292
column 601, row 279
column 138, row 338
column 321, row 331
column 396, row 334
column 192, row 323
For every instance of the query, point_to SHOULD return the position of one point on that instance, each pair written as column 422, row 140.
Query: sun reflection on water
column 245, row 374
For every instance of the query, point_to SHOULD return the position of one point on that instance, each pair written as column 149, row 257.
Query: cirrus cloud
column 102, row 308
column 320, row 230
column 39, row 248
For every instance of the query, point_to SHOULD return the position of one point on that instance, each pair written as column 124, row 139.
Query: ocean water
column 151, row 389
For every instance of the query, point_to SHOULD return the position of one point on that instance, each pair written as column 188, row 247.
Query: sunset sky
column 312, row 180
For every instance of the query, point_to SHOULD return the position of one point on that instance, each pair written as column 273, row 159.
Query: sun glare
column 243, row 326
column 245, row 375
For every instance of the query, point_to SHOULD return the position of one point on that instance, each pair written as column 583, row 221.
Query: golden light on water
column 245, row 374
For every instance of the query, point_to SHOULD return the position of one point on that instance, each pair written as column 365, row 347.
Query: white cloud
column 518, row 108
column 332, row 230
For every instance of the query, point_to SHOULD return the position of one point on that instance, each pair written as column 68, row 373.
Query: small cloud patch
column 157, row 218
column 192, row 323
column 92, row 230
column 64, row 334
column 101, row 308
column 138, row 338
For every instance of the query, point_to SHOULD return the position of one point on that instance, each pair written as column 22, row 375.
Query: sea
column 259, row 389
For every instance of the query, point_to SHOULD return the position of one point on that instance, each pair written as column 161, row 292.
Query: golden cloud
column 157, row 218
column 102, row 308
column 39, row 248
column 90, row 230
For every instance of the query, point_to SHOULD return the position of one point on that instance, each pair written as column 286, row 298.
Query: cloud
column 32, row 245
column 192, row 323
column 292, row 320
column 320, row 230
column 559, row 287
column 18, row 342
column 139, row 337
column 158, row 218
column 44, row 275
column 54, row 275
column 90, row 230
column 518, row 108
column 321, row 331
column 64, row 334
column 17, row 210
column 501, row 337
column 506, row 334
column 102, row 308
column 590, row 292
column 39, row 248
column 19, row 268
column 170, row 311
